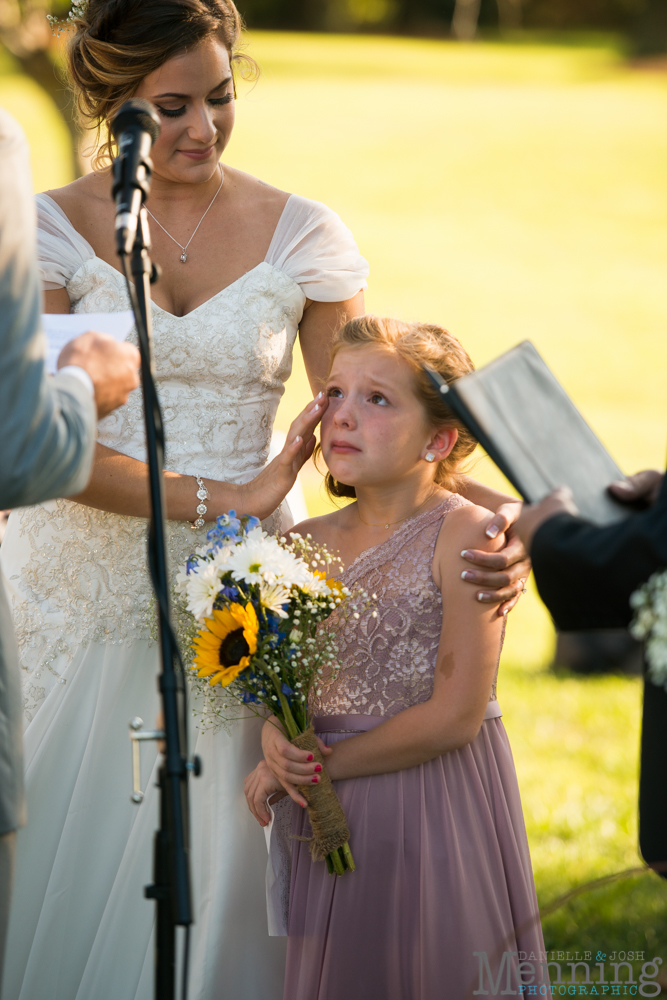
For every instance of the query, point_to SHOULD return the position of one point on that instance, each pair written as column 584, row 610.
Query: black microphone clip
column 135, row 128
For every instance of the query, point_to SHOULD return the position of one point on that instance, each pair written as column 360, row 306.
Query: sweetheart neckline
column 212, row 297
column 201, row 304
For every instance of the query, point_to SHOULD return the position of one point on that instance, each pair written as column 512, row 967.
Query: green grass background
column 508, row 191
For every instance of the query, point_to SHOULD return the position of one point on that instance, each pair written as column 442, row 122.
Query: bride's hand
column 263, row 494
column 259, row 786
column 289, row 765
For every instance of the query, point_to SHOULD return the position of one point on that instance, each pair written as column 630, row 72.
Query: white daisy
column 201, row 590
column 260, row 559
column 273, row 596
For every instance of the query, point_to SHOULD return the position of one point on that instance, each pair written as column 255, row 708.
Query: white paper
column 60, row 328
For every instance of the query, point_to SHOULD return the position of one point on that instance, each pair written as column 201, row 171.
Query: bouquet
column 255, row 602
column 650, row 624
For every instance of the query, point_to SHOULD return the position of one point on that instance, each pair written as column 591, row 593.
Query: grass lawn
column 507, row 191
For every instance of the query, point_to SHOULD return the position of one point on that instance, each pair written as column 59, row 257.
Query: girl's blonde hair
column 418, row 344
column 115, row 44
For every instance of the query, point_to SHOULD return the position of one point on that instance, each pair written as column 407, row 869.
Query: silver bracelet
column 202, row 494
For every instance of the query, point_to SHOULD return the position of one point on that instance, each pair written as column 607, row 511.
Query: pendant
column 386, row 525
column 183, row 257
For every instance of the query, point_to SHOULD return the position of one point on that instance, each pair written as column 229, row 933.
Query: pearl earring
column 429, row 456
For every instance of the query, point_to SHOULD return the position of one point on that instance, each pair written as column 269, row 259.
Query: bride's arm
column 318, row 325
column 119, row 484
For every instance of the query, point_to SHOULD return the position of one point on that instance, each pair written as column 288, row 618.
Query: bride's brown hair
column 116, row 43
column 418, row 344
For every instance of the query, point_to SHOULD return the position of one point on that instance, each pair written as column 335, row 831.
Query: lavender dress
column 443, row 868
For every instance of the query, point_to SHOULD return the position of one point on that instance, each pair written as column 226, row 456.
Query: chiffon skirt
column 443, row 881
column 80, row 928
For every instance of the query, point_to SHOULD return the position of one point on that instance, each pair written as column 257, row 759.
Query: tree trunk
column 509, row 14
column 464, row 21
column 650, row 35
column 39, row 67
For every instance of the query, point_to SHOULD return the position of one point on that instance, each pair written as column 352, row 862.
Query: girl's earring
column 429, row 456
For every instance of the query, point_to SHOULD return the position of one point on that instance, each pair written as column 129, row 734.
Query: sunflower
column 335, row 586
column 224, row 648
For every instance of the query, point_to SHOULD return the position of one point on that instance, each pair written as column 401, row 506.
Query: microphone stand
column 171, row 888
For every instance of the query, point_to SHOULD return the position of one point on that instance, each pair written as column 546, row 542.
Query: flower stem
column 290, row 724
column 337, row 862
column 347, row 856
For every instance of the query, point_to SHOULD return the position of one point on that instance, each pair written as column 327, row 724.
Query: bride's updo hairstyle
column 418, row 344
column 116, row 43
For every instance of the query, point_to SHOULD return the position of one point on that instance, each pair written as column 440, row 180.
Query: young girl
column 416, row 747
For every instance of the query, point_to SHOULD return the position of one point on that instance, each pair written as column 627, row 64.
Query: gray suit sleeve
column 47, row 425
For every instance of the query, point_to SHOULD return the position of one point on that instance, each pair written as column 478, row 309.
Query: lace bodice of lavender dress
column 388, row 661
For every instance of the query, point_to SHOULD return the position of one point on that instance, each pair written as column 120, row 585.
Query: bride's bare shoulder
column 84, row 197
column 260, row 191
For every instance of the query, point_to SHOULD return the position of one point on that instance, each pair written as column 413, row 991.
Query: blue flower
column 247, row 697
column 286, row 689
column 253, row 522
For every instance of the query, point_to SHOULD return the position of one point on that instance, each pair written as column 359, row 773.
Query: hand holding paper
column 112, row 366
column 60, row 328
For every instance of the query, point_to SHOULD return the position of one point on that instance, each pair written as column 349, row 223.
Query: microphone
column 135, row 128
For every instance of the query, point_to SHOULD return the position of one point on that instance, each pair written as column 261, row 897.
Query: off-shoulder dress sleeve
column 317, row 251
column 61, row 251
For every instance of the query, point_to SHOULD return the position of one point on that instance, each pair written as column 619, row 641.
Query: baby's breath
column 650, row 625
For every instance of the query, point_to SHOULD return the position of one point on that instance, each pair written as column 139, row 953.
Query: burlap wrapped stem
column 327, row 819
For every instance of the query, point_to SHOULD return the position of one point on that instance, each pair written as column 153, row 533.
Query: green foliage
column 575, row 742
column 435, row 16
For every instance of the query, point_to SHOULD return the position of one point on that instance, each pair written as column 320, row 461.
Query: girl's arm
column 119, row 484
column 451, row 718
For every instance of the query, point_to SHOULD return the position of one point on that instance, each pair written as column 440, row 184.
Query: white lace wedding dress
column 80, row 928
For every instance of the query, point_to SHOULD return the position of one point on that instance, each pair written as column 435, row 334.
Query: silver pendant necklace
column 184, row 255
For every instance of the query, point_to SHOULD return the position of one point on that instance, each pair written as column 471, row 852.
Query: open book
column 529, row 426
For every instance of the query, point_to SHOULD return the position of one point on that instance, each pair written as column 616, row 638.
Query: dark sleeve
column 585, row 574
column 47, row 426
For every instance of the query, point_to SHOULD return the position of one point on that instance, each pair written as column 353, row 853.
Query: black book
column 529, row 426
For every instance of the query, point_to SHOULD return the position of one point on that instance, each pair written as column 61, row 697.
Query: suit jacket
column 47, row 425
column 585, row 576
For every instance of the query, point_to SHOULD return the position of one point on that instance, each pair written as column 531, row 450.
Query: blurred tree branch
column 26, row 34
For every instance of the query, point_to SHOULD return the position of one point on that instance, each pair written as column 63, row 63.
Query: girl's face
column 375, row 431
column 194, row 96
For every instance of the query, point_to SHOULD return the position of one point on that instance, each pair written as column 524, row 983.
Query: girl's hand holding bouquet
column 255, row 604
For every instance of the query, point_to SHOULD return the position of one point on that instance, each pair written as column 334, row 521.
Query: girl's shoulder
column 463, row 528
column 324, row 530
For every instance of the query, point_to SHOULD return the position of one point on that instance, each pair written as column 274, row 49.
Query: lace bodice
column 388, row 661
column 77, row 574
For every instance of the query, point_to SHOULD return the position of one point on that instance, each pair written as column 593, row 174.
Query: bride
column 244, row 268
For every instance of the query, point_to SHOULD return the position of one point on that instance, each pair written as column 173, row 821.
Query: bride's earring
column 429, row 456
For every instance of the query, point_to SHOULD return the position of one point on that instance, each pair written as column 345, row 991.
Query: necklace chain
column 184, row 255
column 390, row 523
